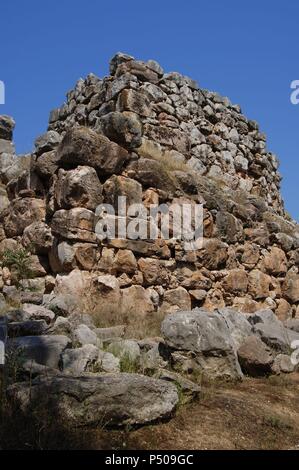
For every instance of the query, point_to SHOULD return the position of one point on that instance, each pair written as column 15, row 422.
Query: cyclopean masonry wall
column 155, row 138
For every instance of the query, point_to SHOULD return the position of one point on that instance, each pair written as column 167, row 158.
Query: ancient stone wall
column 151, row 137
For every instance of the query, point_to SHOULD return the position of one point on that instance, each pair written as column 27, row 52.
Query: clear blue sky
column 247, row 51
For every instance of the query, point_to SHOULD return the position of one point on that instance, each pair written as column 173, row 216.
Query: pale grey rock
column 47, row 142
column 283, row 364
column 207, row 336
column 84, row 335
column 125, row 349
column 107, row 362
column 76, row 361
column 237, row 324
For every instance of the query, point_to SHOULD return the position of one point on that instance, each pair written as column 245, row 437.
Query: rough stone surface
column 45, row 350
column 119, row 400
column 255, row 357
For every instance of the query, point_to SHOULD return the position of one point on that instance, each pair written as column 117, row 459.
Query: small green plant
column 277, row 422
column 128, row 364
column 18, row 261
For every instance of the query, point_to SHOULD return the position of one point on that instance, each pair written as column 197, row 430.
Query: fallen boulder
column 85, row 400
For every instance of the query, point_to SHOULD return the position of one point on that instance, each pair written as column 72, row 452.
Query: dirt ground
column 255, row 414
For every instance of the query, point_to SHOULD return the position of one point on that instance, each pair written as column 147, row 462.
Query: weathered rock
column 125, row 262
column 47, row 164
column 107, row 362
column 23, row 212
column 134, row 101
column 119, row 400
column 123, row 128
column 74, row 224
column 76, row 361
column 176, row 299
column 78, row 188
column 83, row 335
column 207, row 336
column 7, row 125
column 117, row 186
column 47, row 142
column 275, row 262
column 38, row 312
column 38, row 238
column 283, row 364
column 82, row 146
column 45, row 350
column 238, row 325
column 290, row 287
column 292, row 324
column 137, row 300
column 276, row 336
column 259, row 284
column 236, row 281
column 255, row 357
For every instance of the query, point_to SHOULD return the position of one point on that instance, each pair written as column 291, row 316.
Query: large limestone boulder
column 207, row 336
column 276, row 336
column 22, row 213
column 38, row 238
column 290, row 287
column 83, row 146
column 78, row 188
column 123, row 128
column 238, row 325
column 116, row 400
column 74, row 224
column 117, row 186
column 47, row 142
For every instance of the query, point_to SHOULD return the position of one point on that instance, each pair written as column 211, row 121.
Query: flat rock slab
column 111, row 399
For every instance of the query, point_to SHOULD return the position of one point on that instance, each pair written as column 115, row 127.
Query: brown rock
column 154, row 271
column 236, row 281
column 213, row 255
column 121, row 186
column 136, row 300
column 290, row 287
column 125, row 262
column 176, row 299
column 283, row 310
column 83, row 146
column 275, row 262
column 47, row 164
column 214, row 300
column 135, row 101
column 255, row 357
column 21, row 213
column 250, row 255
column 229, row 227
column 259, row 284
